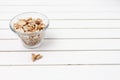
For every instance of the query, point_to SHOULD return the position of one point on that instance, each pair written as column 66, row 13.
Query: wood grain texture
column 65, row 44
column 61, row 2
column 75, row 9
column 58, row 9
column 73, row 15
column 60, row 72
column 70, row 34
column 61, row 58
column 75, row 24
column 82, row 41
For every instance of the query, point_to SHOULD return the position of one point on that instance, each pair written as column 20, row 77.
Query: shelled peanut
column 31, row 26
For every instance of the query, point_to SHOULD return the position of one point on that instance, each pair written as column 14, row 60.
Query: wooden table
column 81, row 43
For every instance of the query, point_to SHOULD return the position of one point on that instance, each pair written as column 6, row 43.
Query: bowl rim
column 11, row 27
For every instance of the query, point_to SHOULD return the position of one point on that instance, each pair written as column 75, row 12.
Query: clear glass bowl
column 33, row 39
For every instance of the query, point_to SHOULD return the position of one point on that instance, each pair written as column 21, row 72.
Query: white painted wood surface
column 61, row 58
column 81, row 43
column 70, row 33
column 76, row 24
column 60, row 72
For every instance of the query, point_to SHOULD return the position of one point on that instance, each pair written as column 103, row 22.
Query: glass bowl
column 32, row 39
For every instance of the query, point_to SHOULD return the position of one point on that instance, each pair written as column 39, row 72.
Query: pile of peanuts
column 29, row 25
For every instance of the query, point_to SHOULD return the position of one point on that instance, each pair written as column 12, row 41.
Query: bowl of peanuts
column 30, row 27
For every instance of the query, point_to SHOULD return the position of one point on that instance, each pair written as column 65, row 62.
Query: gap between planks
column 41, row 5
column 68, row 19
column 58, row 38
column 67, row 28
column 58, row 50
column 64, row 65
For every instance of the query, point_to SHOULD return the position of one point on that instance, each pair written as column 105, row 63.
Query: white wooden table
column 82, row 42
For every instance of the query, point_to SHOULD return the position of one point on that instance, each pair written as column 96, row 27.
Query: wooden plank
column 70, row 33
column 61, row 72
column 103, row 9
column 61, row 58
column 61, row 2
column 65, row 44
column 60, row 9
column 82, row 24
column 68, row 15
